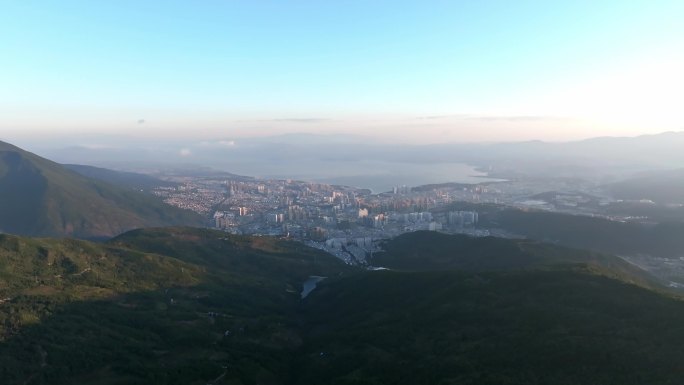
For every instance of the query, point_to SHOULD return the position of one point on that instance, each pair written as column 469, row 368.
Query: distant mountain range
column 39, row 197
column 131, row 180
column 664, row 187
column 335, row 157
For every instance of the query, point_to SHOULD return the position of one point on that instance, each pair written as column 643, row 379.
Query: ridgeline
column 42, row 198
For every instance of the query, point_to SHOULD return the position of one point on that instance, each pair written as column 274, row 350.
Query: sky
column 413, row 71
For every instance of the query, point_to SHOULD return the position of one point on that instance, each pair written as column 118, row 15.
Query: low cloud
column 185, row 152
column 289, row 120
column 440, row 117
column 219, row 143
column 301, row 120
column 514, row 118
column 491, row 118
column 96, row 146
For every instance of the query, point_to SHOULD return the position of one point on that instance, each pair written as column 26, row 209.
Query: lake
column 383, row 176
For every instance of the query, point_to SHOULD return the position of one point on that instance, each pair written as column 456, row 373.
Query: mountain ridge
column 43, row 198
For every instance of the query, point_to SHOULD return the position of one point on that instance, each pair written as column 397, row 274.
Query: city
column 350, row 222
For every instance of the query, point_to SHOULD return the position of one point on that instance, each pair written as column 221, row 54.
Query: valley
column 341, row 193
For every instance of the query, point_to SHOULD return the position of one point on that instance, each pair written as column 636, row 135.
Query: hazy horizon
column 374, row 93
column 363, row 162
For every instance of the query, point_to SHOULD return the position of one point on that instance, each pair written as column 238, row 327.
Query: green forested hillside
column 78, row 312
column 42, row 198
column 559, row 326
column 191, row 306
column 662, row 239
column 432, row 251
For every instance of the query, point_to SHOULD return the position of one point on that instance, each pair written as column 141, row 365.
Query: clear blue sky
column 101, row 65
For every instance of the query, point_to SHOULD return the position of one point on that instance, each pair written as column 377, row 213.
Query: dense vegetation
column 432, row 251
column 660, row 239
column 78, row 312
column 192, row 306
column 561, row 326
column 42, row 198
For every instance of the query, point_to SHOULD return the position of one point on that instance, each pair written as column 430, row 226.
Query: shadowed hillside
column 130, row 180
column 662, row 187
column 42, row 198
column 432, row 251
column 661, row 239
column 560, row 326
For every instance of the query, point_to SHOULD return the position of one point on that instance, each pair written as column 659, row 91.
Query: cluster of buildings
column 198, row 197
column 345, row 221
column 315, row 211
column 349, row 222
column 336, row 218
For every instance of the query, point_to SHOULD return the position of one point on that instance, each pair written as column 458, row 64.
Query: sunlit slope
column 259, row 256
column 42, row 198
column 80, row 312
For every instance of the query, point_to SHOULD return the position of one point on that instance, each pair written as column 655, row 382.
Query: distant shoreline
column 418, row 175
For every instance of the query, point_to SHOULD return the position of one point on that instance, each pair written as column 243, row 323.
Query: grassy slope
column 117, row 323
column 43, row 198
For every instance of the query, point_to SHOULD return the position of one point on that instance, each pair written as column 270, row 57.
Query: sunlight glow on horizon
column 410, row 72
